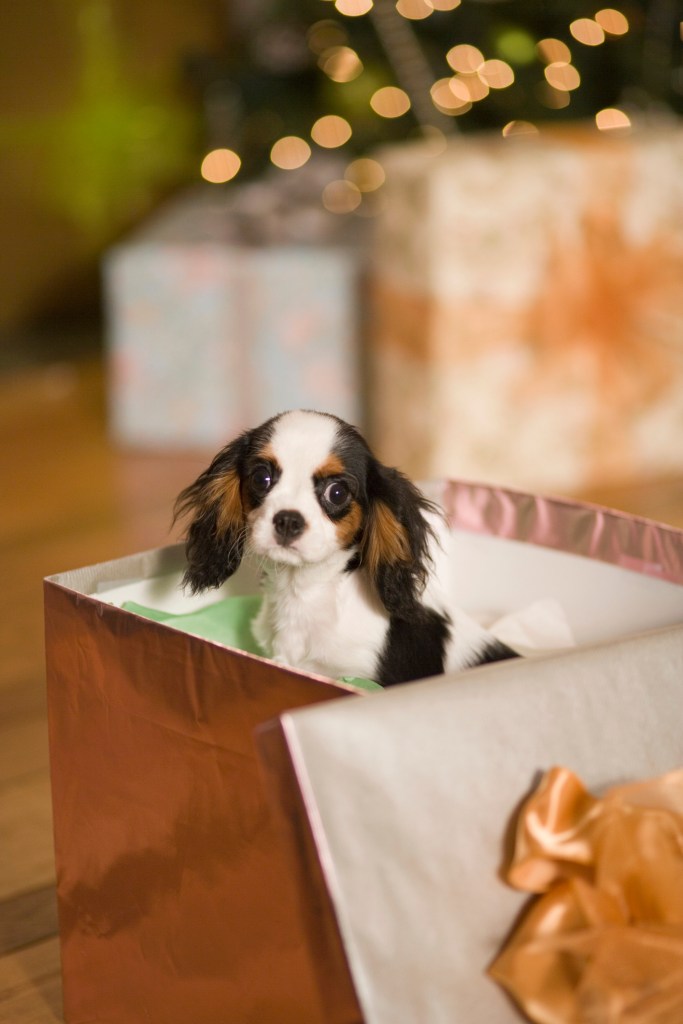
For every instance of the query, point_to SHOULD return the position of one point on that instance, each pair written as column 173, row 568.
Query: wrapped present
column 223, row 313
column 527, row 313
column 398, row 809
column 174, row 899
column 175, row 889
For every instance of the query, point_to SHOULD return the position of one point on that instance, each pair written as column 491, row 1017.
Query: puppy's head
column 298, row 490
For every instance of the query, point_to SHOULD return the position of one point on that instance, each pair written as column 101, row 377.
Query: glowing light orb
column 611, row 119
column 341, row 63
column 554, row 51
column 366, row 174
column 341, row 196
column 516, row 45
column 515, row 129
column 465, row 58
column 552, row 98
column 325, row 34
column 587, row 31
column 331, row 131
column 415, row 10
column 451, row 96
column 353, row 8
column 290, row 152
column 563, row 76
column 220, row 165
column 496, row 73
column 613, row 22
column 390, row 101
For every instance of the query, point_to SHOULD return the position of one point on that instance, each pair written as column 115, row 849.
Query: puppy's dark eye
column 261, row 480
column 336, row 494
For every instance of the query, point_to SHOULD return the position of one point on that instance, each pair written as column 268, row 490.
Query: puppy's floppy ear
column 395, row 543
column 215, row 538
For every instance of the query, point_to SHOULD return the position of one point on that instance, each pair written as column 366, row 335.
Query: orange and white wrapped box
column 527, row 314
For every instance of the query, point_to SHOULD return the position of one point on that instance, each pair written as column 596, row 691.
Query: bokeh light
column 474, row 76
column 433, row 139
column 472, row 86
column 587, row 31
column 341, row 63
column 451, row 96
column 341, row 196
column 517, row 129
column 496, row 73
column 465, row 58
column 290, row 152
column 325, row 34
column 353, row 8
column 331, row 131
column 613, row 22
column 554, row 51
column 220, row 165
column 415, row 10
column 563, row 76
column 366, row 174
column 612, row 119
column 390, row 101
column 516, row 45
column 553, row 99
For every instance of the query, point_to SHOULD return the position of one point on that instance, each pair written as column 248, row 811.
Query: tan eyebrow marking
column 267, row 454
column 332, row 466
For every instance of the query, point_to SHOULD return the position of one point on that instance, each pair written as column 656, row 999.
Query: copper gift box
column 175, row 884
column 174, row 900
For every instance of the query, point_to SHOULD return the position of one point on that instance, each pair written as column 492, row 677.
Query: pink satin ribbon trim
column 603, row 943
column 576, row 527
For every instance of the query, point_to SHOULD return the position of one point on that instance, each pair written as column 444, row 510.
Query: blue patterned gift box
column 208, row 333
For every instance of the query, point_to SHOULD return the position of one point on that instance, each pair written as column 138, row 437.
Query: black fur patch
column 353, row 563
column 495, row 650
column 414, row 648
column 398, row 584
column 213, row 555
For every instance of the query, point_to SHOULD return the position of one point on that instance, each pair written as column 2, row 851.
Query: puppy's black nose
column 288, row 525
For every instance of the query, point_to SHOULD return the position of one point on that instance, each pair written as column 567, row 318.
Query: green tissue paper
column 226, row 622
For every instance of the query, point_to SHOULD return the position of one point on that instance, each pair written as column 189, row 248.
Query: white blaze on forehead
column 302, row 442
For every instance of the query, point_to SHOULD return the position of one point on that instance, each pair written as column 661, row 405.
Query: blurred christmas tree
column 308, row 75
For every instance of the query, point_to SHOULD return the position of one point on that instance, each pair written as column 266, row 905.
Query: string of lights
column 435, row 90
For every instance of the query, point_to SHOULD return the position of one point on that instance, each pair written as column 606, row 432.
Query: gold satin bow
column 604, row 943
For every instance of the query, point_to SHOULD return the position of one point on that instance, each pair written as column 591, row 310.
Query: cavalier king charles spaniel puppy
column 353, row 557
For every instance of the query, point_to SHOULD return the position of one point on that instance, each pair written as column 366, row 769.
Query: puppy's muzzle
column 288, row 525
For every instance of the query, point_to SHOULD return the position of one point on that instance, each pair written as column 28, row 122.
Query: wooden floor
column 69, row 498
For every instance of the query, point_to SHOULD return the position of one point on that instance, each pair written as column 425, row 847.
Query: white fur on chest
column 322, row 620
